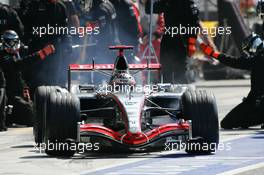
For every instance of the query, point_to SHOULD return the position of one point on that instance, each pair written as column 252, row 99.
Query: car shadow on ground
column 115, row 155
column 23, row 146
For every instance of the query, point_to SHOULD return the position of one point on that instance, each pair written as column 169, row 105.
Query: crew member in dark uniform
column 50, row 16
column 175, row 49
column 15, row 88
column 251, row 111
column 100, row 14
column 127, row 24
column 9, row 20
column 72, row 13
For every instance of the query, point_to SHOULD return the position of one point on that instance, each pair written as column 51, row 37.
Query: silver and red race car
column 123, row 115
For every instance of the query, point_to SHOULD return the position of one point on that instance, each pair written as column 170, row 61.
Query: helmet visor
column 11, row 42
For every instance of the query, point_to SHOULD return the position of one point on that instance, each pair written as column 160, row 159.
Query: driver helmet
column 122, row 79
column 252, row 45
column 10, row 42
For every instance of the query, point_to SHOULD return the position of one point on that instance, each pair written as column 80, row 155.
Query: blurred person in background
column 98, row 17
column 157, row 28
column 72, row 13
column 9, row 20
column 71, row 55
column 128, row 24
column 175, row 49
column 99, row 14
column 38, row 15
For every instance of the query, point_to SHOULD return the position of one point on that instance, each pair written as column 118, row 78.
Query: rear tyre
column 200, row 107
column 42, row 93
column 63, row 112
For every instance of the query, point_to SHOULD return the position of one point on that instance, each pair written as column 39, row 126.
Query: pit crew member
column 176, row 46
column 44, row 21
column 101, row 16
column 251, row 111
column 15, row 88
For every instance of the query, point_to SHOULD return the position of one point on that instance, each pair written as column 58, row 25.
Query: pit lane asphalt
column 18, row 155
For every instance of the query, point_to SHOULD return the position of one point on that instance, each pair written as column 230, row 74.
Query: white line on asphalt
column 230, row 158
column 244, row 169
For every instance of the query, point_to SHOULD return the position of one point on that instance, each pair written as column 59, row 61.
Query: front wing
column 134, row 140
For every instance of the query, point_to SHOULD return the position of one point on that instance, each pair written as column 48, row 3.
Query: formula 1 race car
column 123, row 115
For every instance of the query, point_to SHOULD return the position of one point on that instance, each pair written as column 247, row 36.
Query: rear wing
column 106, row 67
column 109, row 67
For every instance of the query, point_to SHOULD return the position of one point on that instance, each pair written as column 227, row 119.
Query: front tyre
column 200, row 107
column 42, row 94
column 63, row 112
